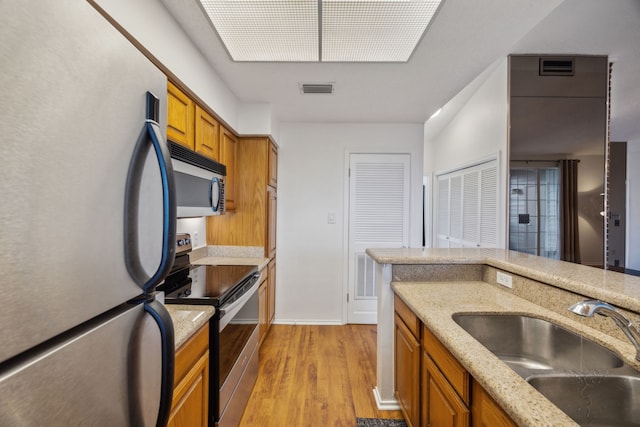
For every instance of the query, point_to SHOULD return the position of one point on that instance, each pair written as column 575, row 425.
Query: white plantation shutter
column 471, row 206
column 489, row 207
column 455, row 208
column 378, row 217
column 379, row 202
column 443, row 207
column 468, row 207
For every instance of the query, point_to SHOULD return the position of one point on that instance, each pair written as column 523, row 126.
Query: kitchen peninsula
column 437, row 283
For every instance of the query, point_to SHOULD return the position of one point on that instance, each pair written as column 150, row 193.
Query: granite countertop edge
column 187, row 320
column 619, row 289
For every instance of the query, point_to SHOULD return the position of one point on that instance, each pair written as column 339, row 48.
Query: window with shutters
column 468, row 207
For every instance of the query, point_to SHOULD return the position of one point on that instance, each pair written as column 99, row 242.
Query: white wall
column 149, row 22
column 196, row 227
column 478, row 131
column 311, row 183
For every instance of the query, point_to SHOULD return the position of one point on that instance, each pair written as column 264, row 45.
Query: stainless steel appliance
column 199, row 183
column 87, row 222
column 233, row 341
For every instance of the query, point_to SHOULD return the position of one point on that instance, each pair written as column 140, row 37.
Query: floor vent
column 315, row 88
column 556, row 67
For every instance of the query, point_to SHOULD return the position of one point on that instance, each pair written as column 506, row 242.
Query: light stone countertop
column 436, row 302
column 225, row 260
column 229, row 255
column 619, row 289
column 187, row 320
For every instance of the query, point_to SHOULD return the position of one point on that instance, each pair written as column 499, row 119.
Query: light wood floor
column 315, row 376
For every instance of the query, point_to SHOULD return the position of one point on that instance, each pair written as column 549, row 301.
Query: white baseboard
column 385, row 405
column 307, row 322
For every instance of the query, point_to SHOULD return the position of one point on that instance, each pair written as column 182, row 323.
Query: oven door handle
column 228, row 311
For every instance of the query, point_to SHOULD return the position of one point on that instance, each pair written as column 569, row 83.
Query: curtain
column 569, row 238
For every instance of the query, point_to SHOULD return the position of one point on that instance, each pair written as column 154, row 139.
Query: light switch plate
column 331, row 218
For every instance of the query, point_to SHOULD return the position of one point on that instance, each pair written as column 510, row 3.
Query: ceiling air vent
column 326, row 88
column 556, row 66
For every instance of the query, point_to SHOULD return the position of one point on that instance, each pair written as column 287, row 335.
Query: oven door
column 238, row 355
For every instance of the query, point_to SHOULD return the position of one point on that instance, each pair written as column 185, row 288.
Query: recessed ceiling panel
column 266, row 30
column 373, row 30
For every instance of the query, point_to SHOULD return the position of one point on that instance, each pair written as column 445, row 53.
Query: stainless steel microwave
column 199, row 183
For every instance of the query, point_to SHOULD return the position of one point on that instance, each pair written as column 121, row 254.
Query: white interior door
column 378, row 218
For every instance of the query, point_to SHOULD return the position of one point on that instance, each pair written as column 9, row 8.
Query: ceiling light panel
column 266, row 30
column 373, row 30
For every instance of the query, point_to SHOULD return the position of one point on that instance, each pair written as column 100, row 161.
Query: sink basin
column 594, row 400
column 528, row 344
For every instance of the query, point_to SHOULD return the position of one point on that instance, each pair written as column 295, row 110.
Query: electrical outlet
column 195, row 239
column 504, row 279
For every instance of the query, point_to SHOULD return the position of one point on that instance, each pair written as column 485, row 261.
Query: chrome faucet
column 590, row 307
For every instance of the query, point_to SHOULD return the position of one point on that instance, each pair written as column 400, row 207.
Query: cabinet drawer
column 455, row 373
column 407, row 316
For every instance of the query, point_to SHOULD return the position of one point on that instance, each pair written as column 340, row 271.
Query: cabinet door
column 486, row 412
column 207, row 134
column 272, row 214
column 191, row 397
column 271, row 291
column 273, row 165
column 407, row 372
column 263, row 310
column 191, row 382
column 228, row 157
column 442, row 407
column 180, row 113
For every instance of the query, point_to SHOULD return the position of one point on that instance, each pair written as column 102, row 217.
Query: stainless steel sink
column 527, row 344
column 587, row 381
column 594, row 400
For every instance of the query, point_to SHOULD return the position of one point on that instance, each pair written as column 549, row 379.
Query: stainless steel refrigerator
column 87, row 222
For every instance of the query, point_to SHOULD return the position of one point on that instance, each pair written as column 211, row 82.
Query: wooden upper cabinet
column 255, row 204
column 229, row 158
column 273, row 165
column 207, row 134
column 272, row 215
column 180, row 113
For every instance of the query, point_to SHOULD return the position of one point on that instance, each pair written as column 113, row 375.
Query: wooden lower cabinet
column 486, row 412
column 263, row 309
column 407, row 372
column 189, row 407
column 441, row 405
column 271, row 291
column 432, row 388
column 267, row 299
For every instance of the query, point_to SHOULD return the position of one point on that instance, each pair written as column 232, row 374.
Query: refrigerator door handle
column 150, row 137
column 163, row 319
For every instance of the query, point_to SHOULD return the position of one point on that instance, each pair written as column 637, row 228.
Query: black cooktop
column 209, row 284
